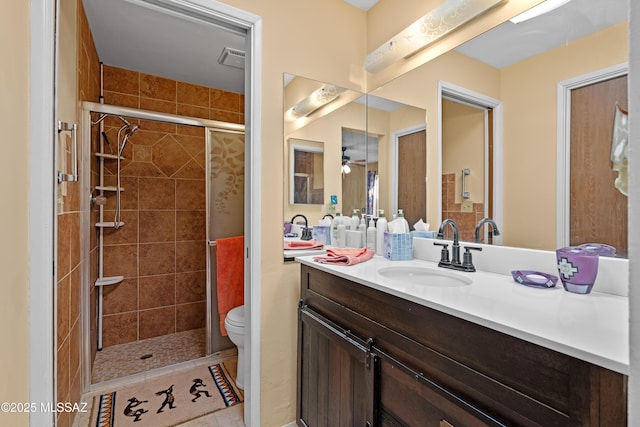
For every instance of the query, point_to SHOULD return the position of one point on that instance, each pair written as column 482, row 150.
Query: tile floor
column 131, row 358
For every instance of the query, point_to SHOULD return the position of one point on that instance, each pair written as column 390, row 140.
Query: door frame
column 42, row 214
column 449, row 90
column 563, row 136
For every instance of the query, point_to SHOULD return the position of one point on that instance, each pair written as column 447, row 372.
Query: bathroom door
column 598, row 211
column 225, row 215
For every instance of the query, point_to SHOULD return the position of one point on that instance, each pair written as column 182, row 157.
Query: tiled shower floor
column 131, row 358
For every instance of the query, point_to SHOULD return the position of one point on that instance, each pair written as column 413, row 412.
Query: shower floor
column 139, row 356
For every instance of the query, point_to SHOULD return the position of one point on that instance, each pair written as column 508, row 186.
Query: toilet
column 234, row 323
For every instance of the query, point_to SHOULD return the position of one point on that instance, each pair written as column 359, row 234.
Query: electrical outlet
column 467, row 205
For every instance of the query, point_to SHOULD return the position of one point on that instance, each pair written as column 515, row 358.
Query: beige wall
column 14, row 191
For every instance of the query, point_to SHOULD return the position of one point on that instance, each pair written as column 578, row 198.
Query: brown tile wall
column 466, row 221
column 161, row 249
column 69, row 257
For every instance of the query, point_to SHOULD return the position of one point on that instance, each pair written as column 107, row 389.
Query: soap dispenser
column 371, row 236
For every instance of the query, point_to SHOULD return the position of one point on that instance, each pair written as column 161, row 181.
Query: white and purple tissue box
column 398, row 246
column 322, row 233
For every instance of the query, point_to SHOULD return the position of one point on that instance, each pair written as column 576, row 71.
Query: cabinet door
column 336, row 375
column 408, row 398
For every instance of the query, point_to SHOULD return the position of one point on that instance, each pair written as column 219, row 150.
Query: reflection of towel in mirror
column 303, row 244
column 230, row 276
column 345, row 256
column 620, row 150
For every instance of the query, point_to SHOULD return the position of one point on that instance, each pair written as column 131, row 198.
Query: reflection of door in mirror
column 412, row 173
column 592, row 178
column 307, row 172
column 465, row 140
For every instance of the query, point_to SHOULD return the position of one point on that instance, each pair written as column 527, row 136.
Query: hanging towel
column 345, row 256
column 230, row 276
column 303, row 244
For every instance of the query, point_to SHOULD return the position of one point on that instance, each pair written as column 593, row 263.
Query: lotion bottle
column 362, row 228
column 381, row 227
column 371, row 236
column 354, row 221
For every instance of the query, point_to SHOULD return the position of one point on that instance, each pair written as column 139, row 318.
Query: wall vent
column 232, row 57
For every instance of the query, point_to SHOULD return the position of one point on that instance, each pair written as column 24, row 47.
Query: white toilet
column 234, row 323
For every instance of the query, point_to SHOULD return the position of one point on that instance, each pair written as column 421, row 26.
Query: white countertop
column 591, row 327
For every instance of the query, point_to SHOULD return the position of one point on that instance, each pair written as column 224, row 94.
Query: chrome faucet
column 483, row 221
column 454, row 263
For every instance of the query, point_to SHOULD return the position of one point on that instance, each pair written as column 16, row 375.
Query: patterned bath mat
column 171, row 399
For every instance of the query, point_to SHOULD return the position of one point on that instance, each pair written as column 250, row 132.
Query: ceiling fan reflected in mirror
column 346, row 161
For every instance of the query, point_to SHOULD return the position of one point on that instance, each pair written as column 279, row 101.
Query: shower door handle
column 73, row 128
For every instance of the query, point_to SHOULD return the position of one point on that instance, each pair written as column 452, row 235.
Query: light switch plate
column 467, row 205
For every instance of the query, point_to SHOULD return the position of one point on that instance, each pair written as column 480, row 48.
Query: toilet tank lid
column 236, row 315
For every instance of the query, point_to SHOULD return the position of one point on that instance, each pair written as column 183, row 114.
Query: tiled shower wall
column 161, row 249
column 466, row 221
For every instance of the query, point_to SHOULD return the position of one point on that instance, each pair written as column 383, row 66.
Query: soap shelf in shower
column 109, row 156
column 106, row 281
column 109, row 224
column 108, row 188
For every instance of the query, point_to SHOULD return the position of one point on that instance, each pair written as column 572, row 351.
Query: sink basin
column 425, row 276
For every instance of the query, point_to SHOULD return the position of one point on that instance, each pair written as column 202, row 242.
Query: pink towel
column 230, row 276
column 303, row 244
column 345, row 256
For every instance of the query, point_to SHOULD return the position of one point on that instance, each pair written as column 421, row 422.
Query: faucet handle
column 467, row 260
column 444, row 253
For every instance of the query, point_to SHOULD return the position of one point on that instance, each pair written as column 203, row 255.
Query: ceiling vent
column 232, row 57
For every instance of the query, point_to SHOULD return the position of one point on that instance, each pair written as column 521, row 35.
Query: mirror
column 522, row 181
column 320, row 116
column 307, row 172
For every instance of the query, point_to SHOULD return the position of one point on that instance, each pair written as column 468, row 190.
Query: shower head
column 130, row 130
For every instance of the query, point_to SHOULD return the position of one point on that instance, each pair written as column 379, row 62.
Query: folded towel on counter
column 303, row 244
column 345, row 256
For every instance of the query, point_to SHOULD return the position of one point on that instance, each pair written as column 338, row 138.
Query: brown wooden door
column 598, row 211
column 412, row 173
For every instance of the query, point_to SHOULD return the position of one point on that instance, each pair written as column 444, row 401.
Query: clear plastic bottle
column 371, row 236
column 381, row 227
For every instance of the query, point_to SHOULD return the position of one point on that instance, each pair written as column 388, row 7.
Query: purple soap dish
column 534, row 279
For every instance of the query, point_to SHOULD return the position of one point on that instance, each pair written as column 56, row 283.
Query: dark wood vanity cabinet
column 367, row 358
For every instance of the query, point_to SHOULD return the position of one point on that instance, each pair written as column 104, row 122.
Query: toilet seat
column 235, row 317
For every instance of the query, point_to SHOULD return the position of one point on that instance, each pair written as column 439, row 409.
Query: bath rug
column 170, row 399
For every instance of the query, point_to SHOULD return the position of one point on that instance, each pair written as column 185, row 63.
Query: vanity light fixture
column 440, row 21
column 537, row 10
column 318, row 98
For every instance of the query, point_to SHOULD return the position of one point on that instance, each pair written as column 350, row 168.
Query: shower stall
column 163, row 188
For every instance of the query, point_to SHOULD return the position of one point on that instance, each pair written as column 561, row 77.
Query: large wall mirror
column 494, row 106
column 507, row 107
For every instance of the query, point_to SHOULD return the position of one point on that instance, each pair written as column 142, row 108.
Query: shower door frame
column 114, row 110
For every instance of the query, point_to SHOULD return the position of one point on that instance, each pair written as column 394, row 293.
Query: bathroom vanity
column 379, row 350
